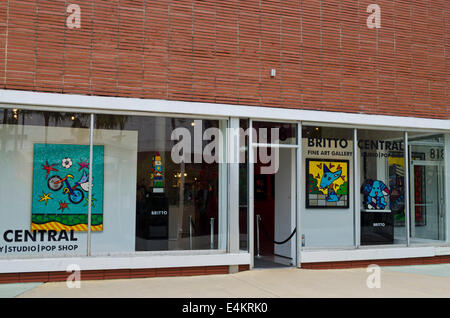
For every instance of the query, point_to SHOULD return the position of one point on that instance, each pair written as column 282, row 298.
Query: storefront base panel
column 97, row 268
column 380, row 262
column 44, row 277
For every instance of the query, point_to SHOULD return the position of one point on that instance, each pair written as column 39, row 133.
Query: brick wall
column 325, row 56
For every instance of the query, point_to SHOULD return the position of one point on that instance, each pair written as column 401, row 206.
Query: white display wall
column 16, row 171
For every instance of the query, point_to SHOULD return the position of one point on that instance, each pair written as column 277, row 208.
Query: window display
column 157, row 184
column 142, row 197
column 427, row 179
column 327, row 217
column 170, row 194
column 44, row 186
column 382, row 190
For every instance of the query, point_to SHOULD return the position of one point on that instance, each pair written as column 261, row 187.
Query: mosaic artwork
column 61, row 187
column 375, row 194
column 327, row 183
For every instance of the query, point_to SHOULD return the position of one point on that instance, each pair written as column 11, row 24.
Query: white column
column 300, row 194
column 251, row 212
column 407, row 189
column 356, row 192
column 224, row 218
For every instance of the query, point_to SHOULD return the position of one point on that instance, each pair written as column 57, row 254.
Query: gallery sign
column 42, row 241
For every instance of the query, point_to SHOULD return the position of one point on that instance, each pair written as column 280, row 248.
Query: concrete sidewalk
column 289, row 282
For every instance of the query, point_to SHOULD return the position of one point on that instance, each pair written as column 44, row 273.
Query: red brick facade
column 325, row 56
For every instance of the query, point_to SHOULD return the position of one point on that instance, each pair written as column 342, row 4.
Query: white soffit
column 136, row 105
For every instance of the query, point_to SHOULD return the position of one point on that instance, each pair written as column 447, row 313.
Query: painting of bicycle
column 61, row 187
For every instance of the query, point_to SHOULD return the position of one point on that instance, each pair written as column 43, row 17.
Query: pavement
column 419, row 281
column 14, row 290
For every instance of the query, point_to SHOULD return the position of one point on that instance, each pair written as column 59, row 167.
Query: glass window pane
column 327, row 218
column 427, row 187
column 382, row 192
column 268, row 132
column 44, row 160
column 154, row 200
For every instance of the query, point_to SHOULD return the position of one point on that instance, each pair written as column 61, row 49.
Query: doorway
column 427, row 217
column 275, row 212
column 427, row 199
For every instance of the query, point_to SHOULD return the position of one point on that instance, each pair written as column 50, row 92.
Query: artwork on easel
column 61, row 187
column 327, row 183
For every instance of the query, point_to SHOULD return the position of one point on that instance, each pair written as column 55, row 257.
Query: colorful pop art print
column 61, row 187
column 375, row 193
column 327, row 184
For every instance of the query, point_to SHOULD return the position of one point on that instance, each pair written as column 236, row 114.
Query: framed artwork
column 327, row 184
column 260, row 186
column 61, row 188
column 420, row 196
column 396, row 168
column 419, row 190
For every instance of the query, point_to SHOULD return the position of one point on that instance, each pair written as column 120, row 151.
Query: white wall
column 285, row 202
column 16, row 181
column 119, row 201
column 327, row 227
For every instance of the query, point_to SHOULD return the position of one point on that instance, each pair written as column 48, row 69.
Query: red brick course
column 325, row 56
column 10, row 278
column 113, row 274
column 383, row 262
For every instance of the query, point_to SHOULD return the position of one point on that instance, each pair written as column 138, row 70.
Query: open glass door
column 273, row 194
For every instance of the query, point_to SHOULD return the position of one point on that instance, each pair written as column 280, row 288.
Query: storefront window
column 274, row 133
column 44, row 186
column 157, row 184
column 382, row 187
column 327, row 219
column 427, row 187
column 161, row 184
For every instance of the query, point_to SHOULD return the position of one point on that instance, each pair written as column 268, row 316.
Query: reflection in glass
column 327, row 162
column 169, row 204
column 44, row 160
column 382, row 192
column 427, row 177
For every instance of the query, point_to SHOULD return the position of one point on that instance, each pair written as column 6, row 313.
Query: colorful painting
column 327, row 183
column 157, row 175
column 396, row 164
column 420, row 197
column 375, row 193
column 61, row 187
